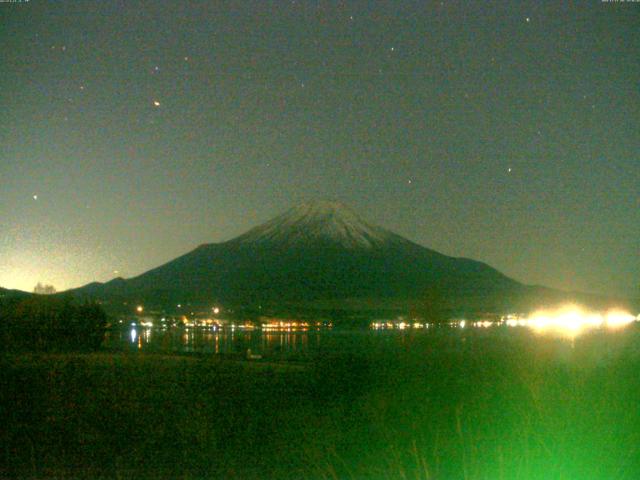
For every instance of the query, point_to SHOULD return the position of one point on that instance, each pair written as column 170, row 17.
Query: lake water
column 592, row 346
column 220, row 341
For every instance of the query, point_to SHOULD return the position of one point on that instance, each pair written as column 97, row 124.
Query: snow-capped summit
column 319, row 221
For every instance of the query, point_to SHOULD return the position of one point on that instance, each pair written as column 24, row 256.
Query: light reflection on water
column 207, row 340
column 294, row 344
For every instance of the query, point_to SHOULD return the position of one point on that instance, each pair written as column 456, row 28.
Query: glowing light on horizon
column 619, row 318
column 572, row 320
column 483, row 324
column 568, row 321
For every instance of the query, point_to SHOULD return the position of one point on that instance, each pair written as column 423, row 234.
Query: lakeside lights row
column 573, row 320
column 570, row 320
column 215, row 310
column 216, row 324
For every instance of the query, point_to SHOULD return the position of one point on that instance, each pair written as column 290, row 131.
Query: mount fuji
column 317, row 255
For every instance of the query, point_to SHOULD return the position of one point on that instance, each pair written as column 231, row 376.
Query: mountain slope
column 6, row 293
column 319, row 251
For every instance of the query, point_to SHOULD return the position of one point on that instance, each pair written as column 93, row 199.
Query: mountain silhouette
column 320, row 254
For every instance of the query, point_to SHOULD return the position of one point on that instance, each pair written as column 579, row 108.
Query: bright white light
column 216, row 310
column 139, row 309
column 571, row 320
column 483, row 324
column 617, row 319
column 134, row 334
column 462, row 323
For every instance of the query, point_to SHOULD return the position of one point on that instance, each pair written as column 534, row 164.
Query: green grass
column 491, row 406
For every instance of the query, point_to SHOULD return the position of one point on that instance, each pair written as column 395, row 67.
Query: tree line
column 44, row 323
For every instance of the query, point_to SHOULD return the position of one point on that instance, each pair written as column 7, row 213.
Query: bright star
column 156, row 103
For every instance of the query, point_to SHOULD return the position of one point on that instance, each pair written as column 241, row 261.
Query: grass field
column 486, row 406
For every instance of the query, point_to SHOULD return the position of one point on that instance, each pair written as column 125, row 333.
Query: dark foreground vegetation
column 493, row 406
column 44, row 323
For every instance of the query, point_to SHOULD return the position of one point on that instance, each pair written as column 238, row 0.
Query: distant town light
column 216, row 310
column 139, row 309
column 571, row 320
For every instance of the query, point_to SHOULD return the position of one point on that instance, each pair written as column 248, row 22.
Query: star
column 156, row 103
column 35, row 197
column 509, row 170
column 528, row 19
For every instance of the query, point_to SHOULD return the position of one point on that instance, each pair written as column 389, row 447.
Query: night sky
column 505, row 131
